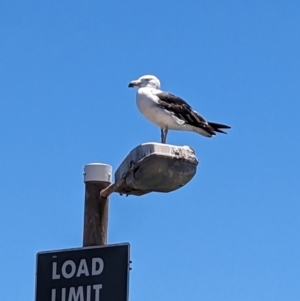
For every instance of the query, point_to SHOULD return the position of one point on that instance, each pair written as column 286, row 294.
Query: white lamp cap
column 97, row 172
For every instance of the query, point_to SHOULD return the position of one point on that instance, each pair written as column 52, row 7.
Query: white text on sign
column 68, row 270
column 82, row 269
column 78, row 293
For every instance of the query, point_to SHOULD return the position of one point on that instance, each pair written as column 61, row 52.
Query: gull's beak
column 134, row 83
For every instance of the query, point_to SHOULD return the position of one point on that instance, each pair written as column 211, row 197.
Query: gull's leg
column 161, row 135
column 164, row 133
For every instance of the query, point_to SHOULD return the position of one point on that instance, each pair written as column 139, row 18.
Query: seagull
column 170, row 112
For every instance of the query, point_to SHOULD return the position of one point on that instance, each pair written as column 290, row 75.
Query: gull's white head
column 150, row 81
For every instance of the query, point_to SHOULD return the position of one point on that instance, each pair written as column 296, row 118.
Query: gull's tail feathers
column 218, row 126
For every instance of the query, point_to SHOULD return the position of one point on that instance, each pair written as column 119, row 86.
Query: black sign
column 85, row 274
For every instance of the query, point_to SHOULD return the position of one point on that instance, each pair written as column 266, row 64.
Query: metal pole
column 97, row 176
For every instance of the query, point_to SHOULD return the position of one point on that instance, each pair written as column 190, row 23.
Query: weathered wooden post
column 97, row 176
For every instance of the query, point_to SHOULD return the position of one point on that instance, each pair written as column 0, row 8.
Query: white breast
column 147, row 103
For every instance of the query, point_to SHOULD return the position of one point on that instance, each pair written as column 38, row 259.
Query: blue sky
column 232, row 233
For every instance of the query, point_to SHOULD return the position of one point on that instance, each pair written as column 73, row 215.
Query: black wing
column 182, row 110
